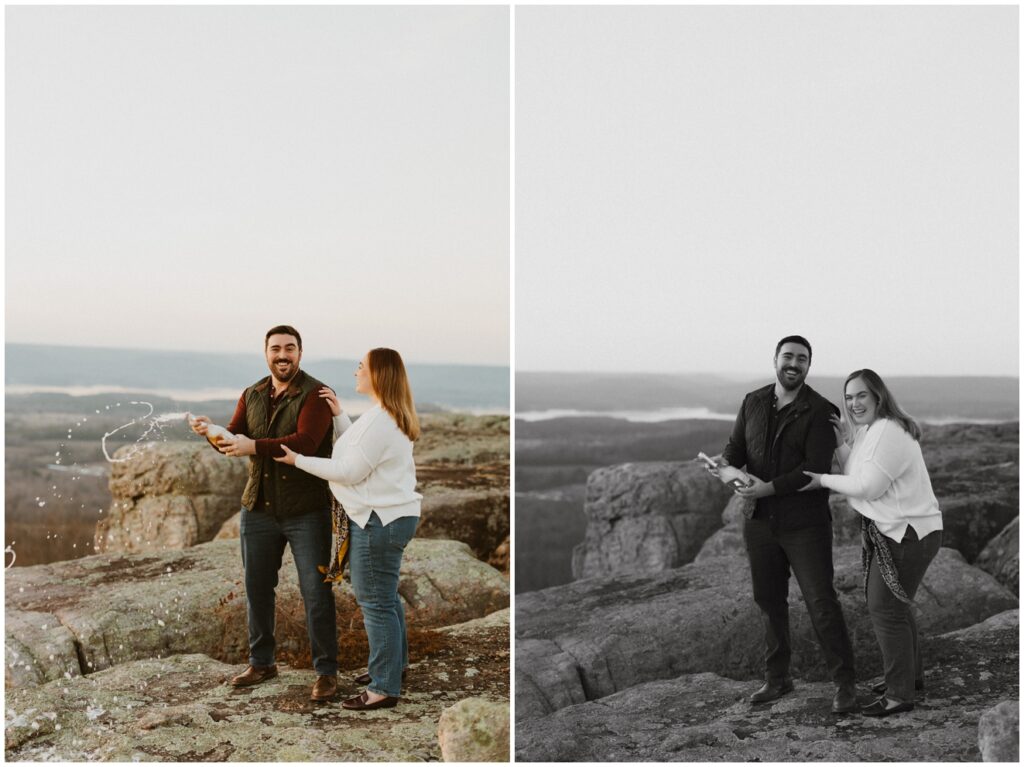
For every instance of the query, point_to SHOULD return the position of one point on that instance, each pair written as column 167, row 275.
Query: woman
column 371, row 473
column 886, row 481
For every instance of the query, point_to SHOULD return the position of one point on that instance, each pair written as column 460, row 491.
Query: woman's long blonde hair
column 887, row 406
column 391, row 385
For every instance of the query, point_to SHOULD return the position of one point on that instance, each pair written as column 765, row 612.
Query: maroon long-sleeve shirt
column 314, row 421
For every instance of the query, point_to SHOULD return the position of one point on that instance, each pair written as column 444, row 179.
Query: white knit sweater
column 885, row 479
column 370, row 469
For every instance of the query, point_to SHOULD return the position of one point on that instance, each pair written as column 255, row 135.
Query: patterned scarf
column 874, row 543
column 339, row 545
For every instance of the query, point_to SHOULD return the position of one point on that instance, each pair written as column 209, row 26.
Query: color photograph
column 257, row 383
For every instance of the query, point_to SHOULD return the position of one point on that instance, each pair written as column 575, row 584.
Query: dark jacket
column 285, row 490
column 803, row 440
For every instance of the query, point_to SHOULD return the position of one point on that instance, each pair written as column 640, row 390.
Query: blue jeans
column 263, row 538
column 807, row 552
column 375, row 556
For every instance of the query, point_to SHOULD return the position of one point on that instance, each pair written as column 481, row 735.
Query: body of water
column 636, row 416
column 699, row 413
column 201, row 377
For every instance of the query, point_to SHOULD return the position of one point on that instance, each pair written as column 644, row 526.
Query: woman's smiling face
column 861, row 404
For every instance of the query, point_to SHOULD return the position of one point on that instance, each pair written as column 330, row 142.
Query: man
column 281, row 505
column 783, row 429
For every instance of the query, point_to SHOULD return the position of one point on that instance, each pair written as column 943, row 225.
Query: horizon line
column 309, row 358
column 745, row 376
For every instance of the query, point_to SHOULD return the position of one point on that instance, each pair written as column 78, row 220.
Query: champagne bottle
column 729, row 475
column 215, row 433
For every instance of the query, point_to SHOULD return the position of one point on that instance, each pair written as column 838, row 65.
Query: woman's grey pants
column 893, row 620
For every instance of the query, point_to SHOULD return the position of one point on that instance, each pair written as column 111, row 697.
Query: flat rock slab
column 589, row 639
column 705, row 717
column 180, row 708
column 88, row 614
column 463, row 438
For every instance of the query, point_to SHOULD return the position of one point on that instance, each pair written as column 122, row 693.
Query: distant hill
column 456, row 386
column 925, row 397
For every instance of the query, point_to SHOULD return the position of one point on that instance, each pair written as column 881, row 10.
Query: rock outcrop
column 589, row 639
column 999, row 733
column 475, row 730
column 649, row 663
column 465, row 503
column 647, row 517
column 122, row 655
column 84, row 615
column 1001, row 557
column 179, row 708
column 705, row 717
column 728, row 539
column 168, row 495
column 973, row 469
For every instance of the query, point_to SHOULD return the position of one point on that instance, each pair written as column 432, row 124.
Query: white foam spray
column 154, row 426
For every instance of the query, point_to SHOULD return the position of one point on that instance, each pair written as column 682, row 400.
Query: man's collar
column 293, row 390
column 801, row 395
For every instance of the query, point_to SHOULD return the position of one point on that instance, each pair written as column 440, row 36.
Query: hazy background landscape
column 61, row 401
column 554, row 455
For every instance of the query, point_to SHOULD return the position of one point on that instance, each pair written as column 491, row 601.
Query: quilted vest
column 277, row 487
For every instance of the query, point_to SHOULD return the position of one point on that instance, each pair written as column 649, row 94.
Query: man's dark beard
column 277, row 374
column 787, row 385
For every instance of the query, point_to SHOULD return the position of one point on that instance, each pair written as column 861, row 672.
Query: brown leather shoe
column 360, row 703
column 845, row 700
column 325, row 688
column 770, row 691
column 254, row 675
column 366, row 679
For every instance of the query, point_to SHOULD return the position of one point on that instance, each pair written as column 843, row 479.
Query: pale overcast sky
column 693, row 183
column 186, row 177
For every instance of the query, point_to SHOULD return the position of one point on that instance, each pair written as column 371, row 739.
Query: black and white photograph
column 766, row 384
column 257, row 384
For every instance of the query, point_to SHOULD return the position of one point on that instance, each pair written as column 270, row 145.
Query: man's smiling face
column 283, row 355
column 791, row 365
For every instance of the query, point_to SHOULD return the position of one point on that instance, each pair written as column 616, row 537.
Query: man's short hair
column 284, row 330
column 794, row 340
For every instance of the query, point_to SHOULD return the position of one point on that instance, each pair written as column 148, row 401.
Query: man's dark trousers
column 808, row 552
column 263, row 538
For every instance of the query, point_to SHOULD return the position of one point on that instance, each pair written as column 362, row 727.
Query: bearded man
column 782, row 430
column 281, row 505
